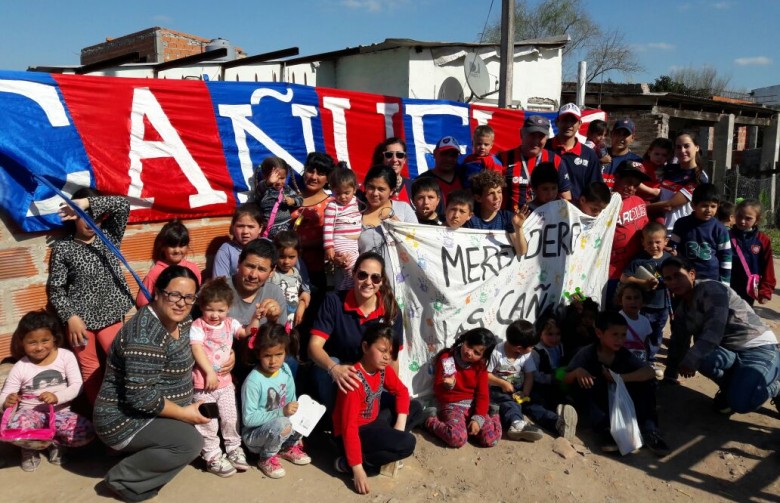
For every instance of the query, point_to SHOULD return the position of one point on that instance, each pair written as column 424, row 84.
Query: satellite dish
column 451, row 90
column 477, row 76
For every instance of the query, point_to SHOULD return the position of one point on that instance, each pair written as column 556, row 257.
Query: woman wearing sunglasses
column 392, row 153
column 145, row 407
column 343, row 319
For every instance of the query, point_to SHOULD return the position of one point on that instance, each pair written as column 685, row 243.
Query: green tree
column 605, row 51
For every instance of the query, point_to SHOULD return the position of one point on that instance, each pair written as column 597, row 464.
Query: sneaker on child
column 221, row 467
column 607, row 442
column 271, row 467
column 520, row 430
column 55, row 454
column 295, row 455
column 656, row 443
column 30, row 460
column 237, row 458
column 567, row 421
column 341, row 465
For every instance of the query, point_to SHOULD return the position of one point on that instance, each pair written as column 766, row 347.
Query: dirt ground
column 714, row 458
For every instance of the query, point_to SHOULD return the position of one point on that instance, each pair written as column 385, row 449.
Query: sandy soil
column 715, row 458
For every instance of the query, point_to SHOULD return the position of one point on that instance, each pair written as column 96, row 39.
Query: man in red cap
column 446, row 171
column 581, row 162
column 520, row 162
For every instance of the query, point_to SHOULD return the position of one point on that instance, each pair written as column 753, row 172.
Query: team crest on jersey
column 756, row 249
column 578, row 161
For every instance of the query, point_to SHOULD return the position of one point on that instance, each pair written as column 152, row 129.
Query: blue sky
column 737, row 38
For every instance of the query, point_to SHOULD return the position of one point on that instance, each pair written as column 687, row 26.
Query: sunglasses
column 389, row 155
column 363, row 275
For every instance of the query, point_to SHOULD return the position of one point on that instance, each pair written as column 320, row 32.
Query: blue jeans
column 658, row 319
column 323, row 383
column 268, row 439
column 748, row 377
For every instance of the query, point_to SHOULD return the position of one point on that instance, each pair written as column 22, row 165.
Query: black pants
column 382, row 444
column 595, row 403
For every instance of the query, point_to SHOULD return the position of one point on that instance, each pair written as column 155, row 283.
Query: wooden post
column 506, row 70
column 769, row 157
column 724, row 143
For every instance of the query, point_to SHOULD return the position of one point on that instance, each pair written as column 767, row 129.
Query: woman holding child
column 731, row 345
column 145, row 406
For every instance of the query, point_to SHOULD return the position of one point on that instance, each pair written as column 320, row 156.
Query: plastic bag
column 622, row 417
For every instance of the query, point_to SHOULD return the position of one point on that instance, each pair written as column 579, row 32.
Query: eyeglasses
column 175, row 297
column 363, row 275
column 398, row 155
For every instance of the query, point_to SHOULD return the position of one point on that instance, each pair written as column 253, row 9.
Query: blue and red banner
column 183, row 148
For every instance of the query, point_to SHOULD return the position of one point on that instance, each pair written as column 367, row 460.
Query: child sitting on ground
column 211, row 338
column 372, row 436
column 342, row 223
column 579, row 326
column 547, row 405
column 644, row 271
column 275, row 198
column 426, row 198
column 268, row 400
column 511, row 380
column 460, row 383
column 629, row 298
column 588, row 374
column 702, row 239
column 460, row 208
column 44, row 375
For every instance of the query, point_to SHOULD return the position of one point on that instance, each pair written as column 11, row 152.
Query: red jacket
column 353, row 409
column 470, row 384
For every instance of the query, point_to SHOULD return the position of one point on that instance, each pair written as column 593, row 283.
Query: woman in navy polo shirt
column 343, row 318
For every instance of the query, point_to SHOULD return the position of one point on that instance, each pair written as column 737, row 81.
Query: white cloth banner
column 448, row 281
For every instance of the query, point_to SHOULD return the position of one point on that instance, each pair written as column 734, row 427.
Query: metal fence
column 738, row 187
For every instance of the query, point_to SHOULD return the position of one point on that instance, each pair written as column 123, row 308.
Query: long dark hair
column 385, row 291
column 475, row 337
column 268, row 336
column 386, row 173
column 172, row 234
column 379, row 150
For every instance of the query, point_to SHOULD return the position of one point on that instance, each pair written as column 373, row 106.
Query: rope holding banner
column 98, row 232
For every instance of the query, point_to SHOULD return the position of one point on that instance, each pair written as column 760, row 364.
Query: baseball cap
column 447, row 143
column 536, row 124
column 626, row 124
column 571, row 109
column 632, row 168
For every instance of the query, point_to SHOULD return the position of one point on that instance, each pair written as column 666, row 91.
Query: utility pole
column 507, row 53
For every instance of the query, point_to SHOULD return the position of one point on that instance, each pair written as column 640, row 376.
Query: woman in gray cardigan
column 145, row 404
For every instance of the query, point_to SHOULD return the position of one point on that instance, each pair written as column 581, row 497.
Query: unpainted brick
column 29, row 298
column 16, row 263
column 5, row 345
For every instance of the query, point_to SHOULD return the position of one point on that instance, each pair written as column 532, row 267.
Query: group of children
column 482, row 387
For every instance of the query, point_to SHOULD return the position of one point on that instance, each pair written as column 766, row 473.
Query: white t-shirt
column 638, row 332
column 511, row 369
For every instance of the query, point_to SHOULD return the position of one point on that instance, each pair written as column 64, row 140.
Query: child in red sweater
column 372, row 437
column 460, row 382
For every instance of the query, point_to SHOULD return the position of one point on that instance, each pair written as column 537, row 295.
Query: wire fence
column 738, row 187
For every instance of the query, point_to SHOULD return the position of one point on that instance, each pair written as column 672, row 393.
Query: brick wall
column 143, row 41
column 649, row 126
column 24, row 260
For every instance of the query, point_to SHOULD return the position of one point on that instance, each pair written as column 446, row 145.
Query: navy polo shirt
column 581, row 162
column 342, row 324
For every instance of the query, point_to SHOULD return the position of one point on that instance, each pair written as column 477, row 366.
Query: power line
column 486, row 21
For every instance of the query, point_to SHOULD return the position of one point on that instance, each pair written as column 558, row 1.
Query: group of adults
column 145, row 407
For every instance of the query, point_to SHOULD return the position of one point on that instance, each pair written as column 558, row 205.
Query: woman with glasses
column 145, row 406
column 86, row 285
column 392, row 153
column 342, row 320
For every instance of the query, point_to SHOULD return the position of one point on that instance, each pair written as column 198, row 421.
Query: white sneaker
column 567, row 421
column 520, row 430
column 221, row 467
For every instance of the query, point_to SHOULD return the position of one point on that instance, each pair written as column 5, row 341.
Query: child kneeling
column 268, row 400
column 589, row 372
column 460, row 383
column 371, row 437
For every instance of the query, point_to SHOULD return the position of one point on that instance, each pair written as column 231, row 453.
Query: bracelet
column 331, row 368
